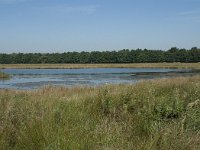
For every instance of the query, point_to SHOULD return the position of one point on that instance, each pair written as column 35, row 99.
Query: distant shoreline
column 103, row 65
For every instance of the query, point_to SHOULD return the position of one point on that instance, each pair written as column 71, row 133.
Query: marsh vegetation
column 3, row 75
column 103, row 65
column 159, row 114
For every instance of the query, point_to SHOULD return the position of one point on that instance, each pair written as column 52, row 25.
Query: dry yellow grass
column 131, row 65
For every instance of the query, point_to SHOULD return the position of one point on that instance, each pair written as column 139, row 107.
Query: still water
column 36, row 78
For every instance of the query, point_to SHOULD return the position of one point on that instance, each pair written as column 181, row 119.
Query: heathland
column 158, row 114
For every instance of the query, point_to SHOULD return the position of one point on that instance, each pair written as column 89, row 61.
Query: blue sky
column 77, row 25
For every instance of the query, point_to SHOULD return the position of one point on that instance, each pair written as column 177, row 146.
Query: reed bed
column 76, row 66
column 158, row 114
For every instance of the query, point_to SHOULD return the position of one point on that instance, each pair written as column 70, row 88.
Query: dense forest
column 122, row 56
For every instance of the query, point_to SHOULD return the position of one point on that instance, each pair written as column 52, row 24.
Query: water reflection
column 35, row 78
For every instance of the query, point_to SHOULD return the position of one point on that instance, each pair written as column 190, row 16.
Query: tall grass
column 151, row 115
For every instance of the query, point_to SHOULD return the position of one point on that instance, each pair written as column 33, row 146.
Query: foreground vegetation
column 124, row 65
column 122, row 56
column 159, row 114
column 4, row 75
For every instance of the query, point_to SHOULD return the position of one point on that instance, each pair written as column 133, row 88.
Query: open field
column 131, row 65
column 152, row 115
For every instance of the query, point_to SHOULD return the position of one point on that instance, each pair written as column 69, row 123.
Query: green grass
column 4, row 75
column 151, row 115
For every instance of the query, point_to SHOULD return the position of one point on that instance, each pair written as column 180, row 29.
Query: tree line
column 122, row 56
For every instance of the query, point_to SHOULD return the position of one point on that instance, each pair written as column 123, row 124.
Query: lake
column 36, row 78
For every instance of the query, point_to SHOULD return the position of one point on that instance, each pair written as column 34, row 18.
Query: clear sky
column 77, row 25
